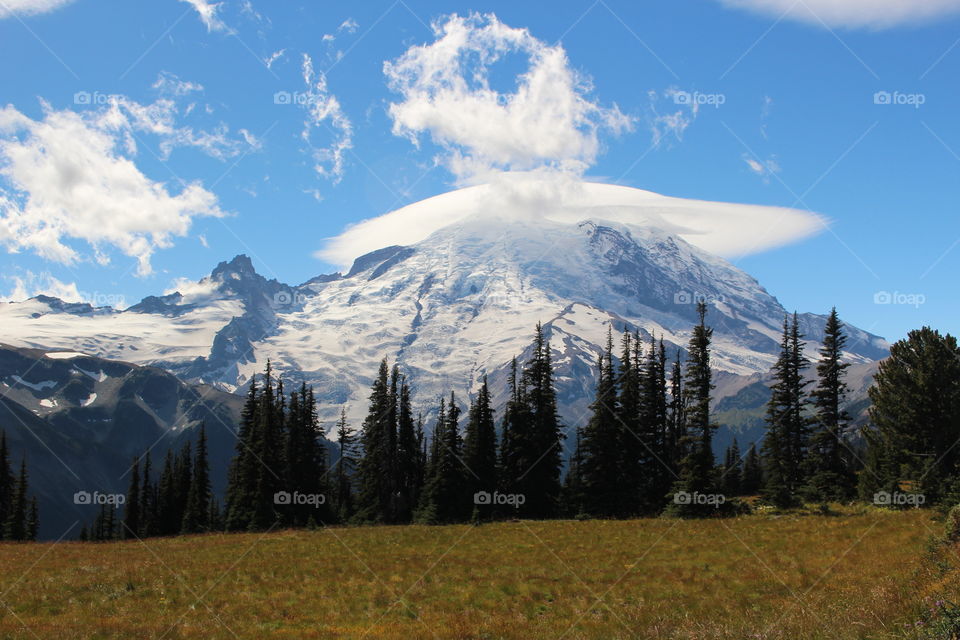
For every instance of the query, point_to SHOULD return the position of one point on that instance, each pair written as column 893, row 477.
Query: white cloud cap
column 725, row 229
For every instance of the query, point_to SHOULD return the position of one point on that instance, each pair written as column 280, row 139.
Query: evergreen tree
column 374, row 473
column 603, row 444
column 7, row 484
column 167, row 521
column 629, row 453
column 443, row 498
column 241, row 480
column 830, row 467
column 33, row 519
column 16, row 524
column 131, row 515
column 344, row 469
column 480, row 449
column 677, row 418
column 752, row 476
column 785, row 444
column 697, row 476
column 409, row 474
column 540, row 481
column 148, row 501
column 654, row 416
column 268, row 448
column 197, row 510
column 574, row 498
column 731, row 475
column 915, row 418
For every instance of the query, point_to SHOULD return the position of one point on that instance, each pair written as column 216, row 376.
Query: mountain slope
column 80, row 420
column 451, row 308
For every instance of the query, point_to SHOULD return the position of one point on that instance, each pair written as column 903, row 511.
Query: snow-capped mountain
column 449, row 308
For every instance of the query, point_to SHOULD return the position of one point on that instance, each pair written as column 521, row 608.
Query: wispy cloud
column 877, row 14
column 208, row 14
column 325, row 119
column 29, row 7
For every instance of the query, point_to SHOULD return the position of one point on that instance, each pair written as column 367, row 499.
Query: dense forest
column 647, row 448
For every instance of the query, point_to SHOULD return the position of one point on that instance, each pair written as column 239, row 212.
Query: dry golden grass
column 761, row 576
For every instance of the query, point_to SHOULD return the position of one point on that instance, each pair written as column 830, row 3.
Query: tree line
column 646, row 449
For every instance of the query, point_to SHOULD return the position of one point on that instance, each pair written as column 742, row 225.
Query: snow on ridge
column 36, row 386
column 64, row 355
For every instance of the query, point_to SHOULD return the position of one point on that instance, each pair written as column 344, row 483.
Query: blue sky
column 172, row 104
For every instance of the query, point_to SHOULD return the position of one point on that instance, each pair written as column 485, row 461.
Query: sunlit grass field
column 852, row 575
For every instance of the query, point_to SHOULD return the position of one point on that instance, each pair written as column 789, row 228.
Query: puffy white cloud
column 10, row 8
column 548, row 120
column 877, row 14
column 325, row 115
column 71, row 177
column 716, row 227
column 208, row 14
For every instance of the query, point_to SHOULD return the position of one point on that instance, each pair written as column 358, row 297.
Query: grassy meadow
column 857, row 574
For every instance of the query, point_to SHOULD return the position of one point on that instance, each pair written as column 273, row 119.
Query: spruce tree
column 7, row 483
column 785, row 444
column 196, row 512
column 407, row 457
column 131, row 512
column 148, row 501
column 480, row 449
column 752, row 476
column 33, row 519
column 629, row 453
column 374, row 472
column 541, row 483
column 344, row 469
column 915, row 418
column 603, row 444
column 697, row 475
column 16, row 525
column 654, row 418
column 444, row 498
column 241, row 478
column 731, row 474
column 830, row 467
column 677, row 418
column 167, row 521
